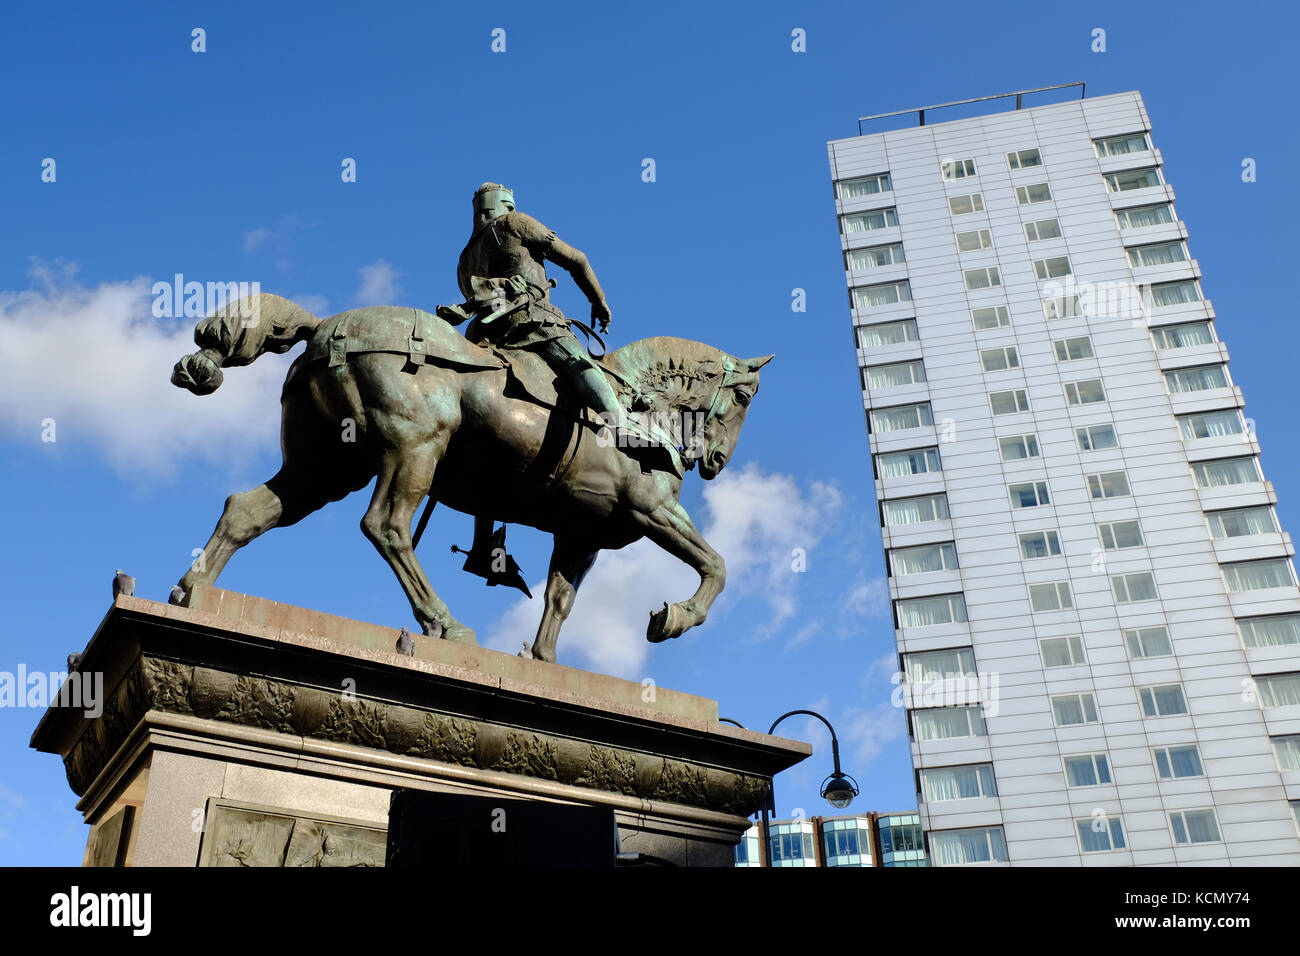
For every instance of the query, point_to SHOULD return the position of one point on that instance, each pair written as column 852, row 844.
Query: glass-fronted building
column 868, row 839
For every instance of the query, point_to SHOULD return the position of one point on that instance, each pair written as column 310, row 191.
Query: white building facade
column 1095, row 607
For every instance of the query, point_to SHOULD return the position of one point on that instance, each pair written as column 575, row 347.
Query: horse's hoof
column 460, row 634
column 665, row 624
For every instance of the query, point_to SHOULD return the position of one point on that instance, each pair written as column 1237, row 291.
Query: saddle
column 427, row 339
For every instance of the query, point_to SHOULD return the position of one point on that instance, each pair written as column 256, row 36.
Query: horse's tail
column 237, row 334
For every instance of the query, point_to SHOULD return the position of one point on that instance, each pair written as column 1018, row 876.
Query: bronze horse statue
column 399, row 395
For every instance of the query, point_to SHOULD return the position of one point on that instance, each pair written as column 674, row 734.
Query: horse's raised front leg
column 570, row 562
column 670, row 527
column 405, row 474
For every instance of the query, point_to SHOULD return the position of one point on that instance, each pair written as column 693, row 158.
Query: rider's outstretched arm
column 575, row 262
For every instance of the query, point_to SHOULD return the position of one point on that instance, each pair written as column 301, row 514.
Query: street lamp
column 838, row 789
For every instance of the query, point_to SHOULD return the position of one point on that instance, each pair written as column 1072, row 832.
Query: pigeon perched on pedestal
column 123, row 583
column 406, row 643
column 74, row 661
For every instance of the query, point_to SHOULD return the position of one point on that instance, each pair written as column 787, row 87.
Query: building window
column 1127, row 179
column 903, row 464
column 1157, row 254
column 915, row 510
column 870, row 221
column 1071, row 350
column 1258, row 575
column 1087, row 770
column 1018, row 447
column 1194, row 826
column 1029, row 494
column 985, row 278
column 865, row 186
column 925, row 666
column 932, row 611
column 842, row 841
column 887, row 293
column 1086, row 392
column 924, row 559
column 961, row 847
column 1070, row 710
column 791, row 847
column 993, row 317
column 1174, row 763
column 1275, row 631
column 1024, row 159
column 901, row 417
column 962, row 205
column 1052, row 268
column 999, row 359
column 948, row 723
column 1211, row 424
column 1061, row 651
column 1287, row 750
column 1117, row 535
column 1164, row 701
column 1050, row 597
column 1039, row 544
column 1096, row 437
column 973, row 240
column 1163, row 294
column 1143, row 642
column 1121, row 145
column 1199, row 379
column 1182, row 336
column 1131, row 588
column 1225, row 471
column 1100, row 835
column 957, row 168
column 874, row 257
column 887, row 333
column 958, row 783
column 1278, row 690
column 1063, row 307
column 1042, row 229
column 893, row 375
column 1143, row 217
column 1108, row 484
column 901, row 840
column 1008, row 403
column 1029, row 195
column 1241, row 522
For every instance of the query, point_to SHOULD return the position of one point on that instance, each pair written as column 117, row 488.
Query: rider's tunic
column 513, row 244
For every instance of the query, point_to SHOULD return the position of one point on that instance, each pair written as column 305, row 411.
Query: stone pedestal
column 239, row 731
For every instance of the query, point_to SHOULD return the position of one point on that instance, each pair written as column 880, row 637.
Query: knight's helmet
column 489, row 194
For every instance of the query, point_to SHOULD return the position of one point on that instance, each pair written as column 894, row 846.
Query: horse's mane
column 669, row 373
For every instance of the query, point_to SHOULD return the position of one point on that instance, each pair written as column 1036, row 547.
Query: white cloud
column 98, row 363
column 754, row 520
column 869, row 598
column 315, row 304
column 871, row 730
column 378, row 284
column 255, row 239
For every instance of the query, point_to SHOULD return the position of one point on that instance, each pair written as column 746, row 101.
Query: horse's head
column 713, row 445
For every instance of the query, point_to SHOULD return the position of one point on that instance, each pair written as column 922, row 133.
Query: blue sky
column 225, row 166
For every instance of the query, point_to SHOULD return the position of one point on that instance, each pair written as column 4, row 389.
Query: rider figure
column 502, row 275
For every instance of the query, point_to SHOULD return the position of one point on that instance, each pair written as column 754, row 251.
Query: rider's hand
column 600, row 313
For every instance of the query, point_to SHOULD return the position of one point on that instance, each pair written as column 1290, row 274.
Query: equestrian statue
column 514, row 421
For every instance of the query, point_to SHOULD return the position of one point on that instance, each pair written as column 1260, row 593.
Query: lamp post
column 838, row 789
